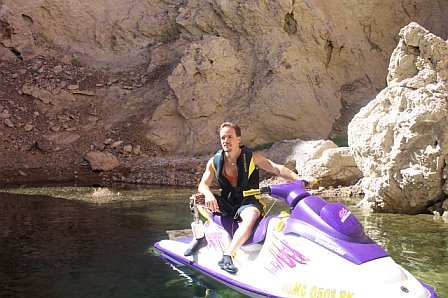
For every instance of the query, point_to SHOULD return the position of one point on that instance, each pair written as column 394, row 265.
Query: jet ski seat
column 231, row 225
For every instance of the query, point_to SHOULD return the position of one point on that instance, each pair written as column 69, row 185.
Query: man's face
column 229, row 140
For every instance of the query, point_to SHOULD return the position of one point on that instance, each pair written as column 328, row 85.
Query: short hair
column 232, row 125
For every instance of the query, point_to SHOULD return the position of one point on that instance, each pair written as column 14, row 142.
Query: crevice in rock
column 16, row 53
column 368, row 31
column 28, row 20
column 329, row 51
column 290, row 25
column 35, row 148
column 405, row 9
column 5, row 30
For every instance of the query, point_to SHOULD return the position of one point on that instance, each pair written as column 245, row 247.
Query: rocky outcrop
column 283, row 70
column 118, row 33
column 333, row 166
column 400, row 138
column 16, row 39
column 295, row 69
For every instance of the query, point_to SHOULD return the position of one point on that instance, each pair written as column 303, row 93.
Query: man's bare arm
column 277, row 169
column 204, row 187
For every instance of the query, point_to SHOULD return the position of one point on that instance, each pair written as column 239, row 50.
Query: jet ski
column 317, row 249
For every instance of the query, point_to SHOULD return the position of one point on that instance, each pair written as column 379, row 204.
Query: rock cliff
column 283, row 70
column 293, row 69
column 143, row 80
column 400, row 138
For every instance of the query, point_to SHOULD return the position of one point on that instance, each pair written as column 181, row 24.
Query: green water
column 87, row 242
column 419, row 243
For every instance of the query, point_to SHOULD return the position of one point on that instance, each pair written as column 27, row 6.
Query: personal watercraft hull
column 293, row 266
column 320, row 250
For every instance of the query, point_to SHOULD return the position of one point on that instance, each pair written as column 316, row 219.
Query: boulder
column 321, row 159
column 101, row 161
column 400, row 140
column 298, row 151
column 336, row 167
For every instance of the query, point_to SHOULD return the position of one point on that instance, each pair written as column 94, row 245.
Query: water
column 87, row 242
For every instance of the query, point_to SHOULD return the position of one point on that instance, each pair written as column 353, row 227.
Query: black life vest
column 248, row 173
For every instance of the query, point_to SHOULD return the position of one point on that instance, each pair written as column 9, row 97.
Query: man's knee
column 250, row 215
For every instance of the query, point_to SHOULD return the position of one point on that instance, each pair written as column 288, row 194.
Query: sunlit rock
column 100, row 161
column 321, row 159
column 336, row 167
column 301, row 67
column 400, row 138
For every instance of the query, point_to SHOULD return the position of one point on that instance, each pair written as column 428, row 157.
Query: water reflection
column 62, row 248
column 419, row 243
column 90, row 242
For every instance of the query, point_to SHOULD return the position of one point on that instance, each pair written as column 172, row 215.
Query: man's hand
column 312, row 183
column 211, row 203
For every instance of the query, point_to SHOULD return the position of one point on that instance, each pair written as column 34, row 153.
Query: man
column 236, row 168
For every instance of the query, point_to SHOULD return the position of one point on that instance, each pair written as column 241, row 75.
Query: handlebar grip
column 251, row 192
column 265, row 190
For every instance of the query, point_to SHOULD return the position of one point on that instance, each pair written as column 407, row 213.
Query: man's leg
column 249, row 217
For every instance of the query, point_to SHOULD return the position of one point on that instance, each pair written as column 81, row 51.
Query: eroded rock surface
column 293, row 69
column 287, row 70
column 149, row 82
column 400, row 138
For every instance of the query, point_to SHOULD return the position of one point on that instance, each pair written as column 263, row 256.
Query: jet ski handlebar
column 290, row 193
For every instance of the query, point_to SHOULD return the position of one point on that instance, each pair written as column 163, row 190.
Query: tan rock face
column 400, row 138
column 283, row 70
column 206, row 78
column 14, row 34
column 302, row 62
column 118, row 33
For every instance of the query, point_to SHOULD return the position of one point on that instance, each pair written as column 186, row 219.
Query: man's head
column 230, row 135
column 231, row 125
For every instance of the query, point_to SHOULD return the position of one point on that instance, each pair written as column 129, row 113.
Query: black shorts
column 229, row 209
